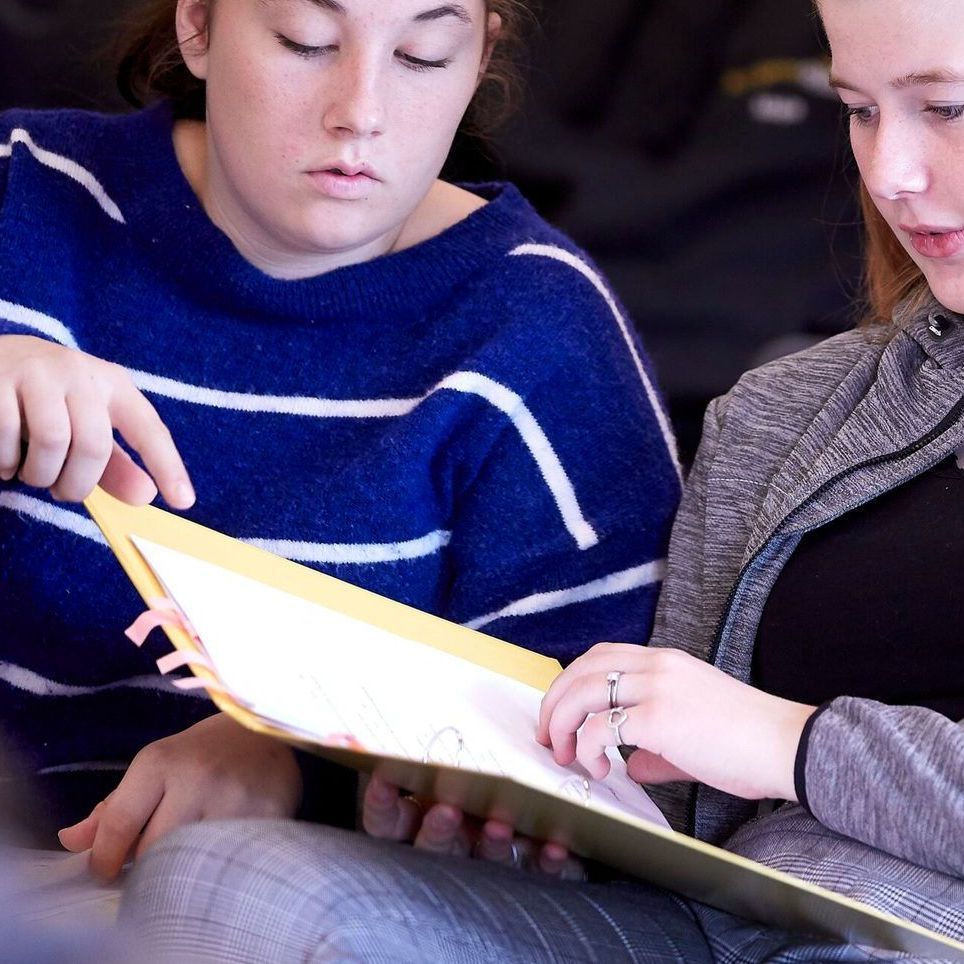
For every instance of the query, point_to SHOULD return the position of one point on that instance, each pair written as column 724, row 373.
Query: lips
column 935, row 242
column 344, row 182
column 347, row 170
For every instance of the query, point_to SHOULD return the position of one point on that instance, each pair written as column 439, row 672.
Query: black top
column 872, row 604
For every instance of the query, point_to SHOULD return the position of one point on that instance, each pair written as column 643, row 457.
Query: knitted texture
column 468, row 426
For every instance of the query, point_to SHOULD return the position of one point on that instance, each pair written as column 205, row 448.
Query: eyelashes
column 418, row 64
column 946, row 112
column 310, row 53
column 862, row 115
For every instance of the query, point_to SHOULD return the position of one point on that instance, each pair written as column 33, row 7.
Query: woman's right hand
column 443, row 829
column 65, row 405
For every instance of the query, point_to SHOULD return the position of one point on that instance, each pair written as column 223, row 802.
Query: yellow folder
column 636, row 846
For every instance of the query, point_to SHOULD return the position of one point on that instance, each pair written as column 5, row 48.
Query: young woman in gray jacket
column 807, row 647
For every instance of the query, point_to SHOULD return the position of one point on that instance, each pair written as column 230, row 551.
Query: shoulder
column 57, row 129
column 798, row 386
column 67, row 157
column 542, row 273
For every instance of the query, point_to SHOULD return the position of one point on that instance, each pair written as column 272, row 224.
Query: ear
column 493, row 31
column 192, row 23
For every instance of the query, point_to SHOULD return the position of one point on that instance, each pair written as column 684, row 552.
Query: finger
column 387, row 815
column 496, row 843
column 122, row 820
column 596, row 736
column 602, row 658
column 644, row 766
column 586, row 696
column 171, row 813
column 91, row 443
column 124, row 479
column 48, row 433
column 444, row 831
column 137, row 420
column 554, row 860
column 10, row 433
column 80, row 836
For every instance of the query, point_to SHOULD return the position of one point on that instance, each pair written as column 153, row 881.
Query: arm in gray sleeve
column 891, row 777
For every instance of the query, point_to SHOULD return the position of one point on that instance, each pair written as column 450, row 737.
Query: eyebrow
column 921, row 79
column 427, row 16
column 439, row 13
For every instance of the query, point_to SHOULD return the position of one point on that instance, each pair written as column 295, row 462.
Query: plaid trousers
column 280, row 891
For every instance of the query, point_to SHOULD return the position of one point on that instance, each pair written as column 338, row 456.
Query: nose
column 356, row 105
column 897, row 162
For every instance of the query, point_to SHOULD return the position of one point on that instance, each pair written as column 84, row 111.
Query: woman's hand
column 215, row 769
column 65, row 405
column 443, row 829
column 689, row 720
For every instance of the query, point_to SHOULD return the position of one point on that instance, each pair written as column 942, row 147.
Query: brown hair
column 150, row 65
column 890, row 274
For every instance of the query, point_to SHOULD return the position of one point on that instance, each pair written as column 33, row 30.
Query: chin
column 951, row 296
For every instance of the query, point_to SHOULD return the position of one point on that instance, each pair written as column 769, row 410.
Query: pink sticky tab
column 146, row 623
column 163, row 612
column 177, row 659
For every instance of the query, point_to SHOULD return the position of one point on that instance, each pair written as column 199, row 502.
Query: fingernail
column 444, row 820
column 185, row 494
column 554, row 853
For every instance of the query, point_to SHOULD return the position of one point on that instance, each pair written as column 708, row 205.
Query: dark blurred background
column 691, row 146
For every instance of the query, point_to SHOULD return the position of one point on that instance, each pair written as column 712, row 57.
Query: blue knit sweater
column 467, row 426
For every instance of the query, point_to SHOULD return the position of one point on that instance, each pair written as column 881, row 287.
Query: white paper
column 341, row 680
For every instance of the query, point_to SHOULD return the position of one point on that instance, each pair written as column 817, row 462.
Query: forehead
column 416, row 11
column 899, row 38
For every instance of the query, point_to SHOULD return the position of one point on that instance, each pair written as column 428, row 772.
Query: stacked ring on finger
column 617, row 716
column 612, row 682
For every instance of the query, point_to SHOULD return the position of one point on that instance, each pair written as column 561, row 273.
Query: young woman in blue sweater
column 260, row 284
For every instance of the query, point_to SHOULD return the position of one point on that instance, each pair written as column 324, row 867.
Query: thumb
column 644, row 766
column 80, row 836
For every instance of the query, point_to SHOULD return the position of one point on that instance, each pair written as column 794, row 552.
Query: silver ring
column 517, row 857
column 612, row 681
column 617, row 716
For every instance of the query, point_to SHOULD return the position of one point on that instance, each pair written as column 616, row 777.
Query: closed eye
column 303, row 50
column 416, row 63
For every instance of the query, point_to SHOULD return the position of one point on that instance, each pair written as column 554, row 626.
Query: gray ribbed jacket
column 793, row 445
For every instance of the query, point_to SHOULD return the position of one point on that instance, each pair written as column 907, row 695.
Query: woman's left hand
column 213, row 770
column 689, row 721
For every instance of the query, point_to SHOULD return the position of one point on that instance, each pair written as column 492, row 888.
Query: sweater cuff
column 800, row 764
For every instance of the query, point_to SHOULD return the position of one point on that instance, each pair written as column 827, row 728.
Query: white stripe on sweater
column 87, row 766
column 567, row 258
column 274, row 404
column 319, row 552
column 64, row 165
column 510, row 404
column 53, row 515
column 27, row 680
column 611, row 585
column 29, row 318
column 356, row 554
